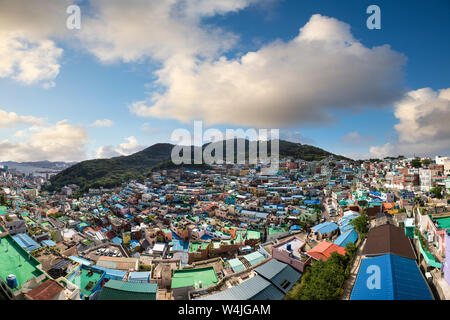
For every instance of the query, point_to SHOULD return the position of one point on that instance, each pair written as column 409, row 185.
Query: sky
column 137, row 70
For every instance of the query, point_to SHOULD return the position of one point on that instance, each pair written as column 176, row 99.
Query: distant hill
column 40, row 164
column 112, row 172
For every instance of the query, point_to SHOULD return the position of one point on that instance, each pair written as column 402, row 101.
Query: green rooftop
column 275, row 230
column 254, row 258
column 85, row 281
column 195, row 246
column 236, row 265
column 121, row 290
column 443, row 223
column 3, row 209
column 46, row 224
column 15, row 260
column 192, row 278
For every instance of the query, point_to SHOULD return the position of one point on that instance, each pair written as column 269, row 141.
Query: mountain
column 112, row 172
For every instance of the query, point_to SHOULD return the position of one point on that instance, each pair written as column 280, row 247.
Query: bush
column 361, row 225
column 324, row 280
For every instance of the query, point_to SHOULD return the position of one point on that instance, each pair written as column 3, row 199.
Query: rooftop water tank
column 288, row 247
column 11, row 281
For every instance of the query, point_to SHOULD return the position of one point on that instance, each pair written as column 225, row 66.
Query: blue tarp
column 399, row 279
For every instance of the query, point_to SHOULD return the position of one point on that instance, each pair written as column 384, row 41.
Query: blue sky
column 93, row 82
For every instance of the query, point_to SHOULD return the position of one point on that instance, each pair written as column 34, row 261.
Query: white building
column 440, row 160
column 447, row 167
column 425, row 179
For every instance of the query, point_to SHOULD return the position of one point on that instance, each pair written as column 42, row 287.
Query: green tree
column 350, row 250
column 361, row 224
column 416, row 163
column 426, row 162
column 323, row 281
column 3, row 200
column 436, row 192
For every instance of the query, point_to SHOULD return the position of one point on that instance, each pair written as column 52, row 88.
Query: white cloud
column 105, row 123
column 124, row 149
column 424, row 127
column 11, row 119
column 162, row 30
column 355, row 138
column 59, row 142
column 27, row 53
column 382, row 151
column 28, row 61
column 324, row 68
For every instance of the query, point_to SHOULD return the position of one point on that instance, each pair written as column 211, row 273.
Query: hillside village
column 232, row 232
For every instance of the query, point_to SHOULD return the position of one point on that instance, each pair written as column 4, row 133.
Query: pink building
column 432, row 232
column 446, row 264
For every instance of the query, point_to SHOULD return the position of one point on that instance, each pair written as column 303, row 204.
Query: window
column 285, row 284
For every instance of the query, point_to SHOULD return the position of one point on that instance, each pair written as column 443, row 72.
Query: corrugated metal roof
column 121, row 290
column 254, row 258
column 347, row 237
column 400, row 279
column 280, row 274
column 139, row 276
column 256, row 288
column 236, row 265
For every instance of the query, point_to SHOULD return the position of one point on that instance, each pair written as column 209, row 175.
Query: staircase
column 350, row 282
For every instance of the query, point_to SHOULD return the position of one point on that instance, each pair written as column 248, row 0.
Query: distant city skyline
column 137, row 70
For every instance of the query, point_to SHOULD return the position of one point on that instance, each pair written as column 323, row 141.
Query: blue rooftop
column 347, row 237
column 111, row 273
column 139, row 276
column 117, row 240
column 400, row 279
column 312, row 201
column 26, row 242
column 325, row 227
column 180, row 245
column 49, row 243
